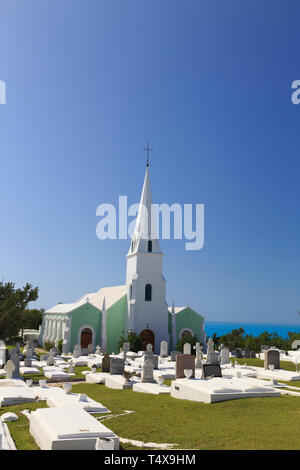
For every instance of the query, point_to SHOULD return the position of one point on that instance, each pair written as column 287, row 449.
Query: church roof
column 111, row 294
column 180, row 309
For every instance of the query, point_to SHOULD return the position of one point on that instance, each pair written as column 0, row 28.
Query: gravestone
column 98, row 350
column 174, row 354
column 27, row 362
column 184, row 361
column 106, row 363
column 187, row 348
column 54, row 351
column 50, row 361
column 199, row 356
column 247, row 352
column 164, row 349
column 147, row 372
column 44, row 357
column 14, row 357
column 212, row 356
column 272, row 357
column 29, row 352
column 154, row 360
column 211, row 370
column 71, row 370
column 238, row 353
column 91, row 348
column 9, row 369
column 2, row 343
column 116, row 365
column 296, row 344
column 3, row 354
column 149, row 350
column 77, row 351
column 126, row 349
column 224, row 356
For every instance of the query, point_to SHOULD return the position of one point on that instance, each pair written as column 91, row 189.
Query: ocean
column 221, row 328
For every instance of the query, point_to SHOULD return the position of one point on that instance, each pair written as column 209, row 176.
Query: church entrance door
column 147, row 337
column 86, row 338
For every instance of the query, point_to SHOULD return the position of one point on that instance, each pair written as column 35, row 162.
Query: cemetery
column 48, row 402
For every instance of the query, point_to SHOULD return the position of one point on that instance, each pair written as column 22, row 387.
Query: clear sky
column 208, row 83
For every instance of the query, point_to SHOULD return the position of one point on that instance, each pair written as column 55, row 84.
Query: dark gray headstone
column 106, row 363
column 211, row 370
column 272, row 357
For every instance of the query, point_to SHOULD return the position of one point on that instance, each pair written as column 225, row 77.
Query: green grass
column 19, row 430
column 254, row 424
column 236, row 424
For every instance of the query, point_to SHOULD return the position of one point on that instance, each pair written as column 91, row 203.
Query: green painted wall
column 85, row 315
column 187, row 318
column 116, row 324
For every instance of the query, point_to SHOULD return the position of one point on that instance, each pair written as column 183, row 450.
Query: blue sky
column 208, row 83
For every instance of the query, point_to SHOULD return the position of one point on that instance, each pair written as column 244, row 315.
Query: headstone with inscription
column 272, row 358
column 106, row 363
column 116, row 365
column 183, row 362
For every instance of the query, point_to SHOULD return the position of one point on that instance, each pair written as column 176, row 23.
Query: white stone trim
column 185, row 329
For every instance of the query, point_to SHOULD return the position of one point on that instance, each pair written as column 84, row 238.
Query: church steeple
column 144, row 237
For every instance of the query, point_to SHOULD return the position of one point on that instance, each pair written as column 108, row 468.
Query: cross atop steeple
column 148, row 149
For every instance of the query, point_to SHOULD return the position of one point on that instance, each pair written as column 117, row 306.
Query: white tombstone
column 224, row 356
column 147, row 373
column 187, row 348
column 164, row 349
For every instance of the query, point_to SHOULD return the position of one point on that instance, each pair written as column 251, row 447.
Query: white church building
column 102, row 317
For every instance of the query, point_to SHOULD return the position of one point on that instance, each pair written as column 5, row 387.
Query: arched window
column 150, row 246
column 148, row 292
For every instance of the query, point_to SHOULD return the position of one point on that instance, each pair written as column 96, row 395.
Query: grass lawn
column 254, row 424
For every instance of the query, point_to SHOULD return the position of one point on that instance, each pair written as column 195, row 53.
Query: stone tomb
column 183, row 362
column 67, row 428
column 272, row 357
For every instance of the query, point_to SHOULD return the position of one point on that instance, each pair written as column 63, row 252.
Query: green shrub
column 187, row 339
column 135, row 341
column 48, row 345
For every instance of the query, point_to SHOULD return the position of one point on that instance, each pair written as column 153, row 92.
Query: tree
column 135, row 341
column 32, row 318
column 186, row 339
column 13, row 303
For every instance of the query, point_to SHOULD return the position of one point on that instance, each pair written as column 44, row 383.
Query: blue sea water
column 222, row 328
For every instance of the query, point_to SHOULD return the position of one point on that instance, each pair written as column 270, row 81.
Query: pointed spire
column 145, row 222
column 173, row 308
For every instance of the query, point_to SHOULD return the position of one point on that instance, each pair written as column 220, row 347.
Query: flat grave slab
column 151, row 388
column 60, row 400
column 277, row 374
column 67, row 428
column 7, row 442
column 219, row 389
column 117, row 382
column 96, row 377
column 29, row 371
column 15, row 395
